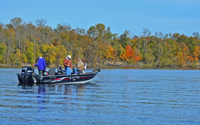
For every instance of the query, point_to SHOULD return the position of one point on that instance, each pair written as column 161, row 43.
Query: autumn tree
column 109, row 52
column 130, row 55
column 2, row 52
column 22, row 42
column 182, row 54
column 124, row 39
column 195, row 55
column 29, row 52
column 60, row 54
column 17, row 57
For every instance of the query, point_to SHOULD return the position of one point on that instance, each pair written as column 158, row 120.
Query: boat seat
column 52, row 71
column 60, row 71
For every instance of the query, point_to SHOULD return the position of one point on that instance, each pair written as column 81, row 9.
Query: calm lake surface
column 116, row 96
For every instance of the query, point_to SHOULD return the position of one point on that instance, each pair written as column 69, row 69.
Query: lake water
column 116, row 96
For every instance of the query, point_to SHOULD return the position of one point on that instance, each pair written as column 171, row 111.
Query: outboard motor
column 26, row 76
column 97, row 70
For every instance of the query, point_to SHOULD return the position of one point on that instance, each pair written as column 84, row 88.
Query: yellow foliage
column 196, row 51
column 61, row 54
column 109, row 52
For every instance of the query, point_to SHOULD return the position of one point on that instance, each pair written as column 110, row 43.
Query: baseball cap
column 69, row 56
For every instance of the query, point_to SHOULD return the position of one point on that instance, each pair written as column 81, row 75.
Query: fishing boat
column 29, row 77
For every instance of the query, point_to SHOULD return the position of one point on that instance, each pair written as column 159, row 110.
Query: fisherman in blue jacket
column 41, row 65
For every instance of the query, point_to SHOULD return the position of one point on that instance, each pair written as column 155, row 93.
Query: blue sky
column 166, row 16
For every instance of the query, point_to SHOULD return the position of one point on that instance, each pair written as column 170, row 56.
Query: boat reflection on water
column 41, row 99
column 67, row 90
column 81, row 89
column 41, row 96
column 56, row 95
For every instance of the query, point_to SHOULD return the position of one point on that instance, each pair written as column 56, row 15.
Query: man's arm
column 38, row 63
column 65, row 62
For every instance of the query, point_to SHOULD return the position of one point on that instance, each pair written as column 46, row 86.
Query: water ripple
column 132, row 97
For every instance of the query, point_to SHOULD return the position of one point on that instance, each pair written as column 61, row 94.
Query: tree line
column 22, row 42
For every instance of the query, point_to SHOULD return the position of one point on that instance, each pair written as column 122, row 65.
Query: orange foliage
column 196, row 59
column 196, row 51
column 134, row 39
column 111, row 52
column 57, row 43
column 191, row 58
column 185, row 52
column 196, row 54
column 130, row 54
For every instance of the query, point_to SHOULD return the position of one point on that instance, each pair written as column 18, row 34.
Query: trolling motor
column 97, row 70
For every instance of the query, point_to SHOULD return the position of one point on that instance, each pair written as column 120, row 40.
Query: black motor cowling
column 26, row 76
column 27, row 70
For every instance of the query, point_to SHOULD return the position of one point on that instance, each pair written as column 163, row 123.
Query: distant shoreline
column 110, row 67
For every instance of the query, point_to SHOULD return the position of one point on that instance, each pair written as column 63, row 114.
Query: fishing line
column 95, row 81
column 104, row 79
